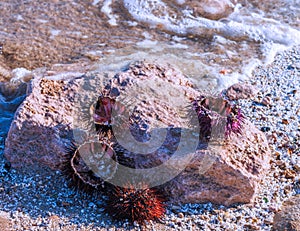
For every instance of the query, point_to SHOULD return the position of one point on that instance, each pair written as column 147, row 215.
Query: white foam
column 107, row 10
column 186, row 62
column 179, row 46
column 177, row 39
column 147, row 35
column 249, row 68
column 42, row 20
column 132, row 23
column 95, row 53
column 19, row 74
column 146, row 43
column 65, row 76
column 225, row 81
column 235, row 27
column 110, row 51
column 271, row 49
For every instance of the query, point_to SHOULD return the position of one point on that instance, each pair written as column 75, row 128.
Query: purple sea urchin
column 133, row 204
column 235, row 120
column 219, row 114
column 202, row 109
column 103, row 114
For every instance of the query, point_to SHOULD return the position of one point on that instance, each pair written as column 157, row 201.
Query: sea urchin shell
column 218, row 114
column 133, row 204
column 105, row 106
column 235, row 121
column 83, row 163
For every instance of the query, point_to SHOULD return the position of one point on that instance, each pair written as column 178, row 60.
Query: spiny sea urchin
column 134, row 204
column 83, row 162
column 235, row 120
column 103, row 114
column 218, row 114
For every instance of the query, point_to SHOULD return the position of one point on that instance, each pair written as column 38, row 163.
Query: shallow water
column 109, row 34
column 252, row 34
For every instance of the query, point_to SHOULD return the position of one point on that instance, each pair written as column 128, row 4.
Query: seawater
column 250, row 36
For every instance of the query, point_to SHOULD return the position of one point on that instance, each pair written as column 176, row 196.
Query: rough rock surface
column 52, row 109
column 289, row 216
column 159, row 94
column 223, row 175
column 231, row 176
column 40, row 126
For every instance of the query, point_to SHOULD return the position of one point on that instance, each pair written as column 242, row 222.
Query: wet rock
column 289, row 216
column 240, row 91
column 162, row 140
column 214, row 10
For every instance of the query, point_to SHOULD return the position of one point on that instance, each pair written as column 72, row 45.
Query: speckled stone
column 289, row 216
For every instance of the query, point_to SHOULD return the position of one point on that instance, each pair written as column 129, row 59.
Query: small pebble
column 180, row 215
column 266, row 101
column 265, row 129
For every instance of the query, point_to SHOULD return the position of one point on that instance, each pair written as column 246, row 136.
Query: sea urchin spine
column 133, row 204
column 103, row 114
column 214, row 112
column 235, row 121
column 82, row 173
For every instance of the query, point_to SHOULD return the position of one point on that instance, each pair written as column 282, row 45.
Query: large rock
column 289, row 216
column 41, row 126
column 231, row 174
column 240, row 91
column 166, row 149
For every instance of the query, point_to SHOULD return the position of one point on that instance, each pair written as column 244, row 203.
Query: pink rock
column 289, row 216
column 240, row 91
column 41, row 126
column 160, row 96
column 211, row 9
column 232, row 176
